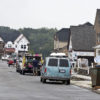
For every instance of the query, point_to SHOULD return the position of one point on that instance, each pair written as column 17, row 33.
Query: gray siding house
column 82, row 41
column 61, row 40
column 1, row 47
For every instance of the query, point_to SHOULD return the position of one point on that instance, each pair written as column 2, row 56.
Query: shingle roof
column 63, row 35
column 9, row 36
column 83, row 37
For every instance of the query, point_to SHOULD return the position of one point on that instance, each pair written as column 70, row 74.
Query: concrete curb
column 83, row 83
column 96, row 91
column 81, row 77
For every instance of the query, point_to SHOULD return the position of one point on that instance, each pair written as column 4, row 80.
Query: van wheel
column 20, row 71
column 44, row 80
column 67, row 82
column 40, row 79
column 63, row 82
column 23, row 73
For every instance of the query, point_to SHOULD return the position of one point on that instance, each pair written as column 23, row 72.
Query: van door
column 52, row 68
column 64, row 68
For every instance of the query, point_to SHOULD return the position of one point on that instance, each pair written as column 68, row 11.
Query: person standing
column 35, row 66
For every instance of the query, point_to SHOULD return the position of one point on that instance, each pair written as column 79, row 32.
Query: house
column 16, row 43
column 9, row 48
column 21, row 44
column 1, row 47
column 82, row 41
column 97, row 30
column 61, row 40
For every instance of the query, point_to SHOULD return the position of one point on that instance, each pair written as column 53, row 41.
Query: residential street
column 14, row 86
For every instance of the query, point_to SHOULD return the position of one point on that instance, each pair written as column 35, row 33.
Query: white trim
column 97, row 47
column 19, row 38
column 70, row 43
column 1, row 39
column 77, row 53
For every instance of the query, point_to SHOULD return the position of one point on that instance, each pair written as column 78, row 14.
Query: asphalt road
column 14, row 86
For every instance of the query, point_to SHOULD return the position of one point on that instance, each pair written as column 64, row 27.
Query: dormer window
column 9, row 46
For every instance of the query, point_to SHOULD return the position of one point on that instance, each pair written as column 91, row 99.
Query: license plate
column 62, row 71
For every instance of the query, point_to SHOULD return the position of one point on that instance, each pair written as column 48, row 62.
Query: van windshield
column 53, row 62
column 63, row 63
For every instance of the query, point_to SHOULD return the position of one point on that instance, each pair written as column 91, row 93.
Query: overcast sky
column 47, row 13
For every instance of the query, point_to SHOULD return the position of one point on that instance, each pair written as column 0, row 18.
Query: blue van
column 56, row 69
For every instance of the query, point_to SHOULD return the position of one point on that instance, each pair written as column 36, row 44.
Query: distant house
column 17, row 43
column 1, row 46
column 9, row 48
column 97, row 30
column 82, row 41
column 21, row 44
column 61, row 40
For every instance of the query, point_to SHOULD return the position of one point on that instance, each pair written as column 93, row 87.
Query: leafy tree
column 41, row 40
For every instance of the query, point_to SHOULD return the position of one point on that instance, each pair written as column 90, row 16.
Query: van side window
column 63, row 63
column 53, row 62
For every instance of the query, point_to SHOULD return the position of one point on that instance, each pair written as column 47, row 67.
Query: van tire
column 67, row 82
column 20, row 71
column 40, row 79
column 44, row 80
column 23, row 73
column 16, row 70
column 63, row 82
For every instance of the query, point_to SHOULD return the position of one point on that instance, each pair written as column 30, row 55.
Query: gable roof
column 20, row 37
column 9, row 36
column 83, row 37
column 63, row 35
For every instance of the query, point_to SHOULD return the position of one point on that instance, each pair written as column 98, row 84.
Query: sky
column 47, row 13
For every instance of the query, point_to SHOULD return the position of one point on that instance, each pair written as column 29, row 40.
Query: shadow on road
column 54, row 82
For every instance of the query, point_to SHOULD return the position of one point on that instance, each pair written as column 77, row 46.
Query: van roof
column 58, row 54
column 58, row 57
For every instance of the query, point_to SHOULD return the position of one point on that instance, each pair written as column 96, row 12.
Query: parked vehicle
column 4, row 57
column 26, row 64
column 10, row 62
column 56, row 69
column 19, row 65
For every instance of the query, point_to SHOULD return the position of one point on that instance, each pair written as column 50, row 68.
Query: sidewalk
column 83, row 81
column 81, row 77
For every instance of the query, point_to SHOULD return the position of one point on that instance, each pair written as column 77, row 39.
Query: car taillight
column 45, row 70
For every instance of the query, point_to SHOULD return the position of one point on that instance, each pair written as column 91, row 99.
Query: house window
column 22, row 47
column 9, row 45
